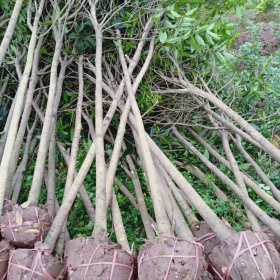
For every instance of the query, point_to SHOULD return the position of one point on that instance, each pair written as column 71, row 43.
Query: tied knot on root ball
column 86, row 260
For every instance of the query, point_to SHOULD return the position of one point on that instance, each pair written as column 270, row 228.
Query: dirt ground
column 269, row 41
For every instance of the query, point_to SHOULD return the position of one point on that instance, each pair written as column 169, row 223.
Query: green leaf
column 128, row 151
column 195, row 45
column 245, row 166
column 90, row 42
column 211, row 26
column 118, row 24
column 170, row 15
column 173, row 40
column 80, row 46
column 74, row 36
column 220, row 57
column 266, row 188
column 117, row 44
column 78, row 27
column 209, row 39
column 164, row 140
column 187, row 35
column 228, row 55
column 191, row 12
column 188, row 19
column 162, row 36
column 214, row 35
column 175, row 14
column 238, row 11
column 202, row 28
column 47, row 22
column 168, row 24
column 199, row 40
column 14, row 49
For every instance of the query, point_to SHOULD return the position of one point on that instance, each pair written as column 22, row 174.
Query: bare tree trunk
column 257, row 169
column 61, row 215
column 116, row 153
column 118, row 223
column 117, row 97
column 83, row 192
column 7, row 128
column 54, row 89
column 29, row 148
column 218, row 192
column 3, row 89
column 5, row 163
column 178, row 222
column 74, row 151
column 266, row 197
column 26, row 112
column 269, row 147
column 100, row 227
column 85, row 198
column 77, row 132
column 220, row 229
column 146, row 219
column 67, row 235
column 10, row 30
column 45, row 135
column 191, row 218
column 271, row 223
column 51, row 174
column 239, row 180
column 17, row 61
column 161, row 218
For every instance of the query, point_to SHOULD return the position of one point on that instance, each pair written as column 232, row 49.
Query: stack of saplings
column 35, row 239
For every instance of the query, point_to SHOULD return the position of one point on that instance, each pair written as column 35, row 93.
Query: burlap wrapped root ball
column 32, row 264
column 86, row 261
column 25, row 226
column 247, row 255
column 272, row 237
column 5, row 248
column 169, row 259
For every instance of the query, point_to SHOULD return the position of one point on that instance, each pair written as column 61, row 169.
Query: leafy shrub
column 266, row 5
